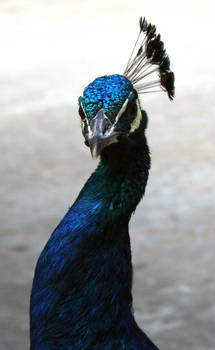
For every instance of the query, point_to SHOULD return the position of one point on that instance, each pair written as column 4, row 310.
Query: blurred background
column 50, row 50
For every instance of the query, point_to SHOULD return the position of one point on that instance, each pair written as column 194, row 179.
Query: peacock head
column 109, row 108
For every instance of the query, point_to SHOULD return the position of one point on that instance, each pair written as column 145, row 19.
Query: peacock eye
column 81, row 113
column 131, row 110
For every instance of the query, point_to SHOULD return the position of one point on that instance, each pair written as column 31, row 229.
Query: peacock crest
column 149, row 56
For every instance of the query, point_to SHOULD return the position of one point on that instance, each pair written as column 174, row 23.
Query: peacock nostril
column 106, row 127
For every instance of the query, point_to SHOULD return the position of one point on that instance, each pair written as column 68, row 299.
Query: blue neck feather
column 81, row 296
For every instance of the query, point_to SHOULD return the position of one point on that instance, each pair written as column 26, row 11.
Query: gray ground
column 44, row 165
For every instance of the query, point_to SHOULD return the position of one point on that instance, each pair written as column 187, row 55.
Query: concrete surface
column 45, row 163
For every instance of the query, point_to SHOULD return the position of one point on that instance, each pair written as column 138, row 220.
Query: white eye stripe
column 136, row 122
column 86, row 119
column 122, row 110
column 84, row 111
column 82, row 124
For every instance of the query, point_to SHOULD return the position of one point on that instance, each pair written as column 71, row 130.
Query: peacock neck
column 120, row 179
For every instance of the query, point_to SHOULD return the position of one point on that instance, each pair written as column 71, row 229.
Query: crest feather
column 149, row 56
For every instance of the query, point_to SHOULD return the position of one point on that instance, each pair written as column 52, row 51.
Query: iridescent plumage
column 108, row 92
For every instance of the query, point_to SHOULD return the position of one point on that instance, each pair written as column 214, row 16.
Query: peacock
column 81, row 296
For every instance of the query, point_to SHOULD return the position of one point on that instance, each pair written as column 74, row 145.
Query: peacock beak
column 101, row 133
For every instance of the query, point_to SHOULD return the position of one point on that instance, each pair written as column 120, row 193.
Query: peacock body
column 81, row 295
